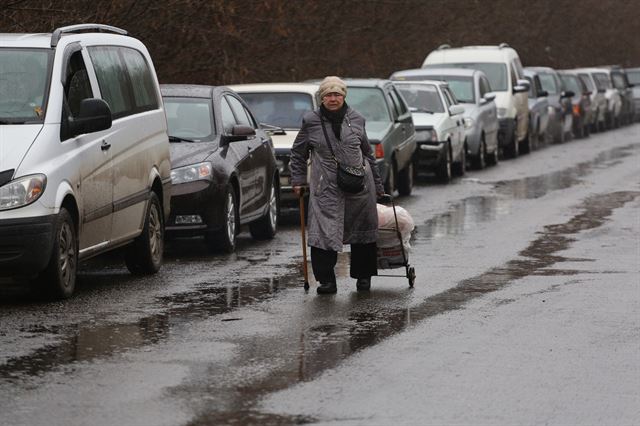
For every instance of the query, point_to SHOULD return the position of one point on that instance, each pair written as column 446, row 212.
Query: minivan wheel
column 266, row 227
column 405, row 180
column 144, row 255
column 225, row 239
column 58, row 280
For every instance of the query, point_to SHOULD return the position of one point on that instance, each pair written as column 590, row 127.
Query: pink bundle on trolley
column 390, row 244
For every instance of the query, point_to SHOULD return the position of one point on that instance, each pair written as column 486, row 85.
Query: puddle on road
column 469, row 212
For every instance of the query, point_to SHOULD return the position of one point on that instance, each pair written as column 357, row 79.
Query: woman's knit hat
column 332, row 84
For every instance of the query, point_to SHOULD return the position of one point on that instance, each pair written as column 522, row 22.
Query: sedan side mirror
column 93, row 115
column 456, row 109
column 567, row 94
column 543, row 94
column 238, row 133
column 601, row 90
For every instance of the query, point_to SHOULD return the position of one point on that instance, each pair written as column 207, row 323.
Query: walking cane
column 304, row 240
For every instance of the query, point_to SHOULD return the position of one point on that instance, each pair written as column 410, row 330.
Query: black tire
column 443, row 172
column 480, row 160
column 266, row 227
column 58, row 280
column 225, row 239
column 390, row 184
column 144, row 255
column 405, row 180
column 460, row 167
column 513, row 150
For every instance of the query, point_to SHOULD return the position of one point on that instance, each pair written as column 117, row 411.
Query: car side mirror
column 456, row 109
column 543, row 94
column 567, row 94
column 94, row 115
column 488, row 97
column 601, row 90
column 521, row 86
column 238, row 133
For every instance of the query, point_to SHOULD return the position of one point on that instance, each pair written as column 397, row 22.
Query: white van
column 502, row 66
column 84, row 154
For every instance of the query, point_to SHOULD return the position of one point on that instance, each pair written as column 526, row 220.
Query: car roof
column 417, row 72
column 63, row 36
column 190, row 90
column 25, row 40
column 466, row 54
column 540, row 69
column 438, row 83
column 366, row 82
column 309, row 88
column 595, row 69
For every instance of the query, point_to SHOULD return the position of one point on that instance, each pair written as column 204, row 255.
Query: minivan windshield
column 24, row 81
column 370, row 102
column 282, row 109
column 189, row 119
column 422, row 97
column 496, row 72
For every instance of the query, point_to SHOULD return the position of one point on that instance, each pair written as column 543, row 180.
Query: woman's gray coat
column 335, row 217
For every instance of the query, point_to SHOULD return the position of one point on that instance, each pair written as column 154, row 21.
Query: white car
column 280, row 107
column 439, row 125
column 84, row 154
column 501, row 64
column 614, row 102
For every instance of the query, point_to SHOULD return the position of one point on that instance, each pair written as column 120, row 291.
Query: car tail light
column 379, row 151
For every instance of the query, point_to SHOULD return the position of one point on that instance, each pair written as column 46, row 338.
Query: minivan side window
column 112, row 79
column 144, row 92
column 125, row 80
column 76, row 85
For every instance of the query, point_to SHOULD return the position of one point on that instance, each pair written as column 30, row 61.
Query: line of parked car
column 96, row 155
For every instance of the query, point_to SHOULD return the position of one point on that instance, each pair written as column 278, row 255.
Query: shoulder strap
column 326, row 136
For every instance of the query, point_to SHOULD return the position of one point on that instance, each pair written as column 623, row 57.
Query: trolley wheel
column 411, row 275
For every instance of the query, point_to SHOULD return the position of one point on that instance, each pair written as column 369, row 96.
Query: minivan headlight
column 22, row 191
column 191, row 173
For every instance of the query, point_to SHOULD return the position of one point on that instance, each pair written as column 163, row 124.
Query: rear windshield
column 422, row 97
column 24, row 81
column 282, row 109
column 370, row 102
column 634, row 77
column 190, row 118
column 462, row 87
column 495, row 72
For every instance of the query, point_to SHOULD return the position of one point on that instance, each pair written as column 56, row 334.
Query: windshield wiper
column 423, row 110
column 179, row 139
column 274, row 130
column 10, row 121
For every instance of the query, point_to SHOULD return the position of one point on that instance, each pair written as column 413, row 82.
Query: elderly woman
column 337, row 217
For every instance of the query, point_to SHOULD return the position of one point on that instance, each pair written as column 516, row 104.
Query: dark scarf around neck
column 335, row 118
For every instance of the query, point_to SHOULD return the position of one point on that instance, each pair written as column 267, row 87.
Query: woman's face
column 333, row 101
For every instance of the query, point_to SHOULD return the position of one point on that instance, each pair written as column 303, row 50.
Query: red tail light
column 576, row 109
column 379, row 151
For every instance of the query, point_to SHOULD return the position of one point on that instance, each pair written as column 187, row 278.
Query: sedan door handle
column 105, row 146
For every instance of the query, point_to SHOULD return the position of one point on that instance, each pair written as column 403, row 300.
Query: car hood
column 15, row 141
column 424, row 119
column 186, row 153
column 284, row 141
column 377, row 130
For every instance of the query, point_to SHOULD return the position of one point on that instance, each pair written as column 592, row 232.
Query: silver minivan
column 84, row 154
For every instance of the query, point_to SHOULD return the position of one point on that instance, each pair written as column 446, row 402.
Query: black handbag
column 350, row 178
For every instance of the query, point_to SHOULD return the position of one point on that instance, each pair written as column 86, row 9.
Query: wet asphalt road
column 216, row 339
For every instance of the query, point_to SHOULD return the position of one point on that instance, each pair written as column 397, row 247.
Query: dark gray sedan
column 473, row 91
column 224, row 172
